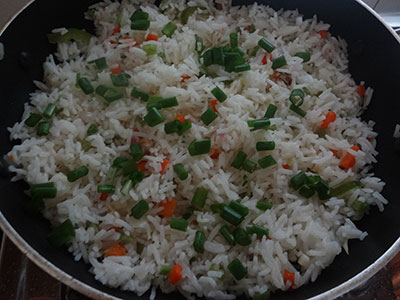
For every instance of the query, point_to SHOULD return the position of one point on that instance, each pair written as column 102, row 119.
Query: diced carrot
column 215, row 154
column 103, row 196
column 355, row 148
column 113, row 42
column 11, row 157
column 168, row 207
column 116, row 229
column 175, row 275
column 180, row 118
column 348, row 161
column 335, row 152
column 116, row 70
column 115, row 250
column 275, row 76
column 329, row 118
column 323, row 34
column 370, row 139
column 195, row 223
column 142, row 165
column 264, row 59
column 164, row 165
column 288, row 276
column 361, row 90
column 135, row 129
column 126, row 38
column 285, row 166
column 213, row 104
column 116, row 30
column 247, row 28
column 151, row 37
column 184, row 78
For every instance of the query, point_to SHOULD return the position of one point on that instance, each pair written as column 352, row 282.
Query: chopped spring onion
column 92, row 129
column 140, row 209
column 62, row 234
column 199, row 240
column 217, row 208
column 100, row 63
column 271, row 110
column 227, row 234
column 136, row 177
column 241, row 68
column 237, row 269
column 186, row 13
column 199, row 46
column 218, row 56
column 306, row 191
column 165, row 270
column 323, row 189
column 136, row 151
column 297, row 97
column 219, row 94
column 32, row 120
column 171, row 127
column 344, row 188
column 119, row 162
column 43, row 128
column 181, row 171
column 111, row 175
column 125, row 238
column 77, row 173
column 140, row 24
column 49, row 111
column 259, row 124
column 267, row 161
column 153, row 117
column 109, row 94
column 279, row 62
column 199, row 197
column 138, row 93
column 359, row 207
column 199, row 147
column 262, row 205
column 298, row 180
column 241, row 237
column 126, row 187
column 207, row 58
column 106, row 188
column 85, row 85
column 169, row 29
column 43, row 190
column 169, row 102
column 188, row 213
column 72, row 34
column 119, row 80
column 150, row 49
column 258, row 230
column 233, row 39
column 178, row 224
column 249, row 166
column 239, row 159
column 239, row 208
column 129, row 167
column 86, row 145
column 208, row 116
column 232, row 216
column 265, row 146
column 267, row 46
column 139, row 15
column 185, row 126
column 306, row 56
column 298, row 110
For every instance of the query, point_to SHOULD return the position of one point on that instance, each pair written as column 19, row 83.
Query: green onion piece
column 85, row 85
column 169, row 29
column 207, row 58
column 219, row 94
column 297, row 97
column 241, row 68
column 279, row 62
column 359, row 207
column 239, row 159
column 172, row 127
column 232, row 216
column 136, row 151
column 227, row 234
column 32, row 120
column 154, row 104
column 181, row 171
column 249, row 166
column 41, row 191
column 208, row 116
column 344, row 188
column 101, row 90
column 49, row 111
column 267, row 46
column 266, row 161
column 262, row 205
column 154, row 117
column 217, row 208
column 139, row 15
column 111, row 175
column 129, row 167
column 119, row 162
column 100, row 63
column 239, row 208
column 199, row 46
column 72, row 34
column 241, row 237
column 237, row 269
column 119, row 80
column 298, row 180
column 252, row 28
column 178, row 224
column 233, row 39
column 165, row 270
column 186, row 13
column 218, row 56
column 259, row 124
column 125, row 238
column 126, row 187
column 169, row 102
column 298, row 110
column 41, row 185
column 258, row 230
column 188, row 213
column 150, row 49
column 306, row 56
column 185, row 126
column 140, row 24
column 92, row 129
column 306, row 191
column 264, row 296
column 265, row 146
column 136, row 177
column 199, row 240
column 199, row 147
column 306, row 91
column 43, row 128
column 199, row 197
column 109, row 94
column 138, row 93
column 140, row 209
column 77, row 173
column 323, row 189
column 106, row 188
column 62, row 234
column 271, row 110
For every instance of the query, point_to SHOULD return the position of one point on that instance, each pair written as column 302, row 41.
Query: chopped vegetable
column 267, row 46
column 217, row 208
column 62, row 234
column 136, row 177
column 199, row 197
column 32, row 120
column 241, row 237
column 168, row 207
column 186, row 13
column 296, row 97
column 150, row 49
column 218, row 56
column 298, row 180
column 49, row 111
column 237, row 269
column 129, row 167
column 43, row 128
column 85, row 85
column 271, row 110
column 175, row 275
column 100, row 63
column 165, row 270
column 181, row 171
column 227, row 234
column 77, row 173
column 138, row 93
column 92, row 129
column 72, row 34
column 258, row 230
column 323, row 34
column 266, row 161
column 233, row 37
column 115, row 250
column 136, row 151
column 199, row 147
column 151, row 37
column 239, row 208
column 199, row 240
column 262, row 205
column 199, row 46
column 125, row 238
column 279, row 62
column 361, row 90
column 164, row 165
column 184, row 78
column 265, row 146
column 188, row 213
column 348, row 161
column 120, row 80
column 242, row 68
column 249, row 166
column 306, row 191
column 140, row 209
column 359, row 207
column 106, row 188
column 177, row 224
column 126, row 187
column 43, row 190
column 215, row 154
column 109, row 94
column 219, row 94
column 288, row 276
column 213, row 104
column 232, row 216
column 153, row 117
column 208, row 116
column 169, row 29
column 116, row 70
column 259, row 124
column 172, row 127
column 305, row 56
column 344, row 188
column 330, row 117
column 139, row 15
column 298, row 110
column 207, row 58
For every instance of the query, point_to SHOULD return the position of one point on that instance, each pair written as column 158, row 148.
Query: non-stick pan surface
column 374, row 57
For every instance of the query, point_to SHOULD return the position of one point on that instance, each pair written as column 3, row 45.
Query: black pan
column 374, row 57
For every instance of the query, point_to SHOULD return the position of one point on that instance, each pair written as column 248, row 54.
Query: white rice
column 305, row 234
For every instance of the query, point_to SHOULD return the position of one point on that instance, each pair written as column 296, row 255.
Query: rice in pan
column 249, row 207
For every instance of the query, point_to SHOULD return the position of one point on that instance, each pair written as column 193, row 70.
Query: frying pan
column 374, row 52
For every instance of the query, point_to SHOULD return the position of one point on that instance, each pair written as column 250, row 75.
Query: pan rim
column 93, row 293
